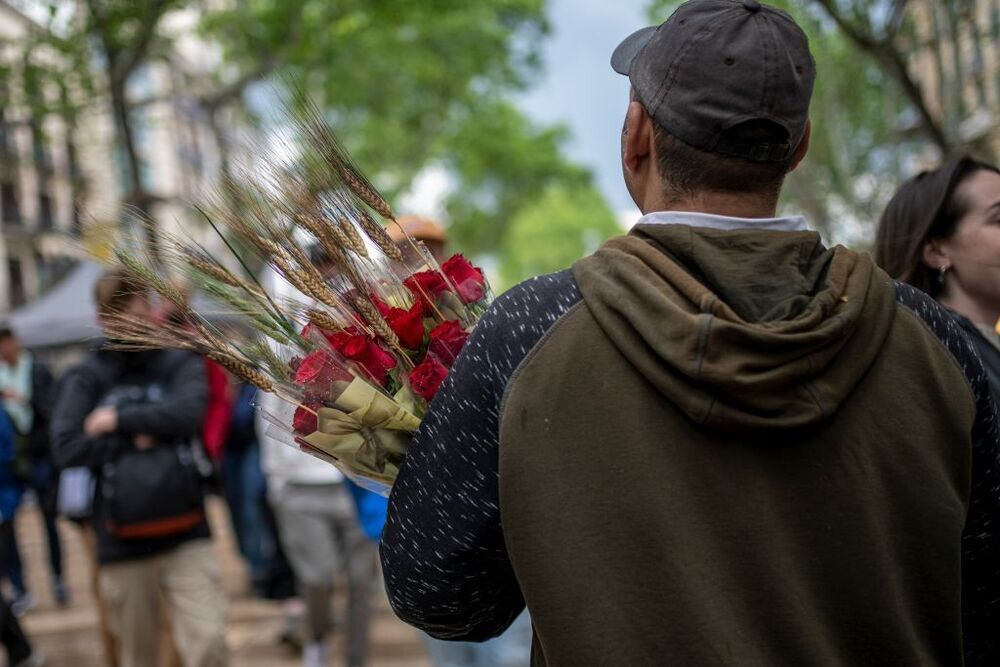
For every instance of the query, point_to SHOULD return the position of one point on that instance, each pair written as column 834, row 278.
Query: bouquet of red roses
column 368, row 335
column 362, row 396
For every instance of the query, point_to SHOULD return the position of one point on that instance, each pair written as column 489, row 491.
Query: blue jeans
column 11, row 636
column 511, row 649
column 44, row 481
column 244, row 486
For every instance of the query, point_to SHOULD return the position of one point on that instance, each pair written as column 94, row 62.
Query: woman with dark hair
column 941, row 234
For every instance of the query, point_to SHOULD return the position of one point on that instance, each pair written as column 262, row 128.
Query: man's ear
column 638, row 142
column 802, row 148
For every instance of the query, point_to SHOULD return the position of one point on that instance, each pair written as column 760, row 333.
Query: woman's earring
column 943, row 270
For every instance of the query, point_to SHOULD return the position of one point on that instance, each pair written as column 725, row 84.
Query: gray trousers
column 319, row 530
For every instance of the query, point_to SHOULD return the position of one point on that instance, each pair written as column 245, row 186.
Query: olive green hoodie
column 738, row 449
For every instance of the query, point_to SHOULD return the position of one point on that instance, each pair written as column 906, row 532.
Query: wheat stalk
column 360, row 186
column 214, row 270
column 378, row 235
column 242, row 370
column 354, row 236
column 323, row 320
column 347, row 242
column 147, row 276
column 310, row 121
column 374, row 319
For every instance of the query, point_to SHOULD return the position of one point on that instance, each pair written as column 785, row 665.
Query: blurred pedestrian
column 244, row 487
column 28, row 387
column 422, row 229
column 19, row 650
column 319, row 530
column 715, row 440
column 513, row 647
column 941, row 234
column 218, row 411
column 132, row 418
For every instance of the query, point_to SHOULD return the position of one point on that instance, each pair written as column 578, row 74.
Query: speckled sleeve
column 443, row 553
column 981, row 539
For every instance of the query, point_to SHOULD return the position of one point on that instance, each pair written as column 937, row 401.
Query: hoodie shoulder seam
column 532, row 353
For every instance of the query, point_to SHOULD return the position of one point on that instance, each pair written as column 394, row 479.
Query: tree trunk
column 136, row 195
column 896, row 67
column 892, row 62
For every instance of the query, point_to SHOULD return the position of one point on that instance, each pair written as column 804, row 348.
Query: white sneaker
column 23, row 604
column 314, row 655
column 36, row 659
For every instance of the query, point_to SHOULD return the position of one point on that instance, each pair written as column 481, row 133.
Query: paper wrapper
column 367, row 432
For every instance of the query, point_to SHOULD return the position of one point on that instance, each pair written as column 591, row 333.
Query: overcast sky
column 579, row 88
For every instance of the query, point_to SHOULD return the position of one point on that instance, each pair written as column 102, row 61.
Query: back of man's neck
column 732, row 206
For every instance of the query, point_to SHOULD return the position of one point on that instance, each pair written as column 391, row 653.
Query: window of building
column 46, row 221
column 40, row 153
column 8, row 204
column 17, row 295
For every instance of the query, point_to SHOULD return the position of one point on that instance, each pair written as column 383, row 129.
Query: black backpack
column 152, row 493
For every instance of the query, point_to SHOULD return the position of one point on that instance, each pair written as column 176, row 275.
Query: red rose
column 426, row 378
column 338, row 340
column 305, row 421
column 314, row 368
column 365, row 352
column 381, row 306
column 446, row 341
column 378, row 362
column 467, row 279
column 355, row 347
column 426, row 286
column 408, row 325
column 317, row 373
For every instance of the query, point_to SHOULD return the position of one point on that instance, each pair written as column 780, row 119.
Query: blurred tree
column 565, row 223
column 407, row 84
column 397, row 77
column 875, row 26
column 392, row 73
column 502, row 162
column 101, row 44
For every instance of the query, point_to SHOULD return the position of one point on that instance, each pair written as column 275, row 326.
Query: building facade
column 61, row 176
column 955, row 56
column 40, row 176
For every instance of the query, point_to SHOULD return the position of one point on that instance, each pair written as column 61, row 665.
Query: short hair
column 6, row 332
column 925, row 208
column 114, row 289
column 687, row 171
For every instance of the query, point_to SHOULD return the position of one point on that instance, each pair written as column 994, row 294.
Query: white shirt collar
column 793, row 223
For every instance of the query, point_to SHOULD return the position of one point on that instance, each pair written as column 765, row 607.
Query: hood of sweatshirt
column 743, row 330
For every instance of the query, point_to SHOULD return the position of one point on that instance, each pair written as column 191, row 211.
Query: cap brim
column 621, row 59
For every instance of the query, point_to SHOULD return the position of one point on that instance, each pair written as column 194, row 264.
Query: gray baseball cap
column 716, row 64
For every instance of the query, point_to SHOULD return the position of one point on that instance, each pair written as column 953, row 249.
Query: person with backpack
column 133, row 418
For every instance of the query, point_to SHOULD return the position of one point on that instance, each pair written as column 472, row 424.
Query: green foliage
column 408, row 84
column 392, row 73
column 564, row 224
column 503, row 162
